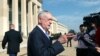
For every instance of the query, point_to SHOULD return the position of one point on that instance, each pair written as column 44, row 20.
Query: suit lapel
column 44, row 36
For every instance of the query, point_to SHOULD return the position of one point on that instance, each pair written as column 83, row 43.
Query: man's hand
column 98, row 49
column 62, row 39
column 70, row 35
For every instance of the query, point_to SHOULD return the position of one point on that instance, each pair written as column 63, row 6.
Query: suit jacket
column 13, row 38
column 40, row 45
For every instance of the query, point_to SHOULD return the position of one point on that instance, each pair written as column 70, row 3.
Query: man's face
column 93, row 25
column 46, row 21
column 82, row 29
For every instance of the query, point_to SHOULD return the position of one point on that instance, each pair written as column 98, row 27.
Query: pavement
column 69, row 51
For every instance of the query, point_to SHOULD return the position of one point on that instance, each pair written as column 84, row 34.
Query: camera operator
column 89, row 36
column 82, row 49
column 93, row 32
column 97, row 36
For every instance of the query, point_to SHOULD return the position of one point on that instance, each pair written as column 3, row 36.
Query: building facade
column 21, row 13
column 57, row 27
column 62, row 28
column 53, row 28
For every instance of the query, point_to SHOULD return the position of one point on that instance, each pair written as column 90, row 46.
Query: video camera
column 92, row 18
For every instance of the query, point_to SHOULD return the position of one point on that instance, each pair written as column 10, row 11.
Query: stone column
column 4, row 21
column 30, row 16
column 23, row 17
column 35, row 14
column 15, row 14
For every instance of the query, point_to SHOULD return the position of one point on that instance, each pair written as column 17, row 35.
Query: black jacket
column 40, row 45
column 13, row 38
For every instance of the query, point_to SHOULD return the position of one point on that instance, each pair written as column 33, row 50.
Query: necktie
column 47, row 35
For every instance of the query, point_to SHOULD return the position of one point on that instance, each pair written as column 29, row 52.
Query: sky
column 71, row 12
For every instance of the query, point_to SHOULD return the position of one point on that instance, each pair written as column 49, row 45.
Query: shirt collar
column 41, row 28
column 46, row 33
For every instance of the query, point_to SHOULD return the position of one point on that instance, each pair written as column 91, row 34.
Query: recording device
column 92, row 18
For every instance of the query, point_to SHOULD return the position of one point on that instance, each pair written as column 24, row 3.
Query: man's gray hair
column 43, row 12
